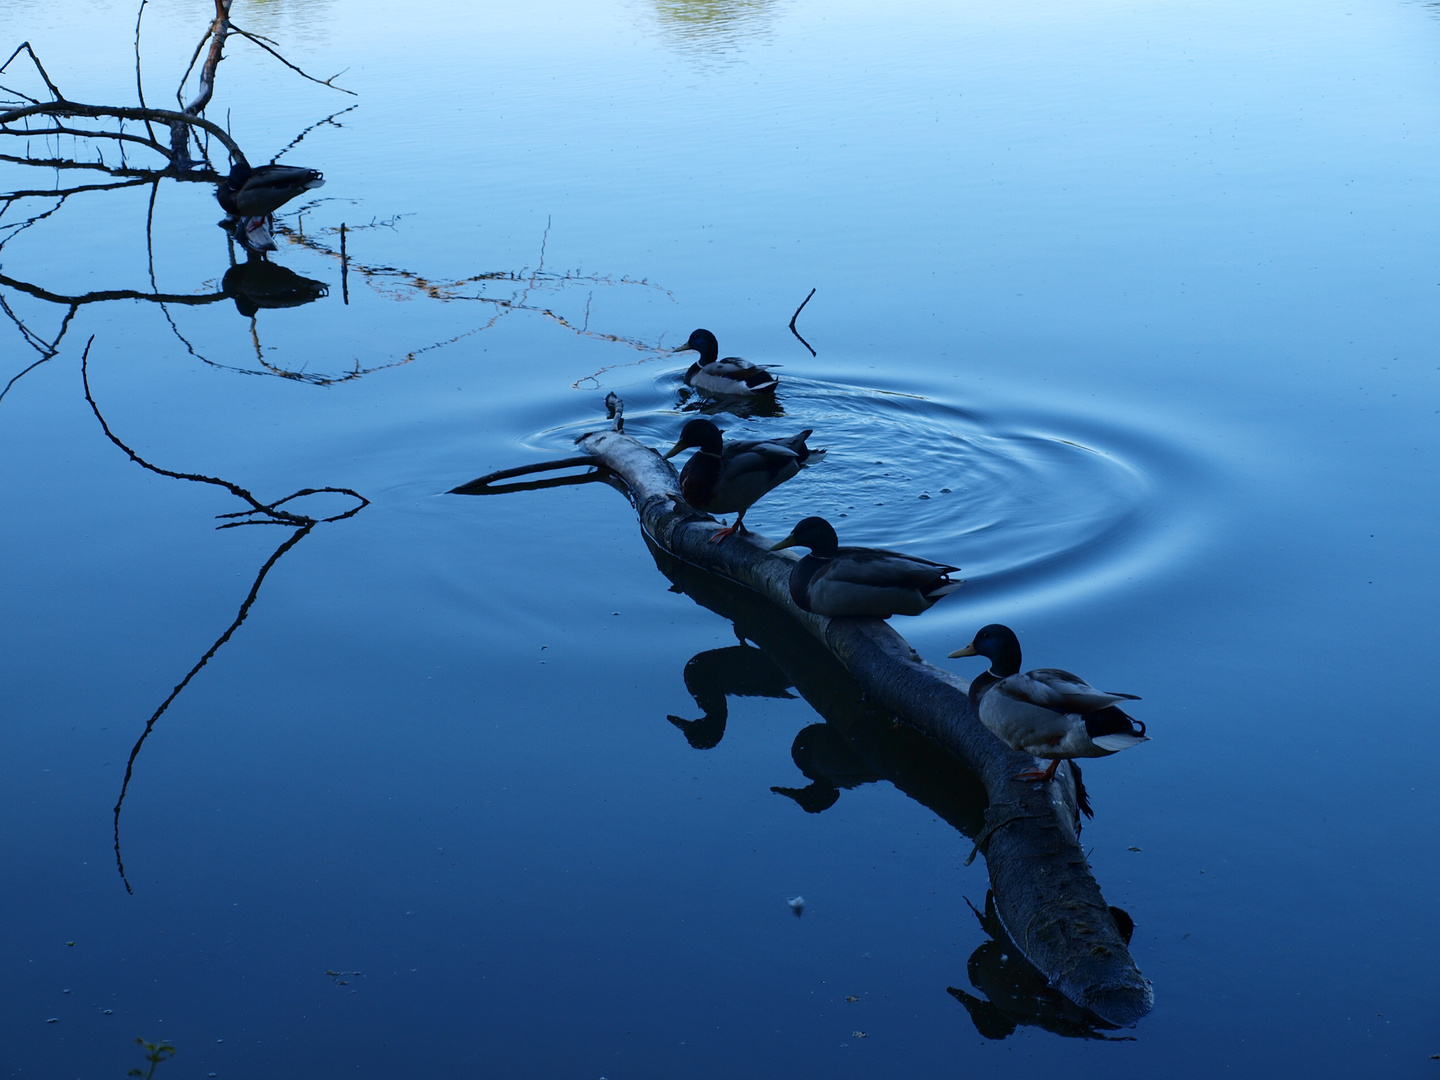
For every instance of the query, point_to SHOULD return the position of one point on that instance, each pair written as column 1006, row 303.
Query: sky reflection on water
column 1194, row 241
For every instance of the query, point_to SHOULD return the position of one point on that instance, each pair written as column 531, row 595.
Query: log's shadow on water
column 276, row 512
column 860, row 743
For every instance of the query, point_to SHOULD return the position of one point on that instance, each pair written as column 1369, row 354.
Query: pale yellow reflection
column 715, row 26
column 291, row 21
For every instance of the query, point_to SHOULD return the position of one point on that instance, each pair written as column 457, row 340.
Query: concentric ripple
column 1031, row 507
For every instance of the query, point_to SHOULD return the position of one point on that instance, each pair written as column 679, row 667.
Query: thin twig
column 95, row 166
column 796, row 316
column 112, row 294
column 25, row 45
column 261, row 42
column 318, row 123
column 139, row 83
column 46, row 349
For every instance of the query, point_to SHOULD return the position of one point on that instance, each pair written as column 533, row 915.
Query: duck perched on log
column 731, row 376
column 1048, row 713
column 835, row 580
column 248, row 192
column 725, row 478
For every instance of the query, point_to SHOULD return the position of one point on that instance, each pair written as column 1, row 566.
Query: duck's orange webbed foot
column 1037, row 773
column 721, row 534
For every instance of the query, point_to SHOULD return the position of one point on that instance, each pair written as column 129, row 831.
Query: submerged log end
column 1123, row 1005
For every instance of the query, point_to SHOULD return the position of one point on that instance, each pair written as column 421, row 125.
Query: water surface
column 1149, row 288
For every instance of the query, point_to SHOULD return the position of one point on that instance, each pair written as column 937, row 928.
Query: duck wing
column 872, row 581
column 868, row 564
column 1062, row 691
column 794, row 444
column 732, row 376
column 272, row 186
column 747, row 471
column 1022, row 724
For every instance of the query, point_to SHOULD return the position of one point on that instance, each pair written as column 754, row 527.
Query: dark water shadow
column 767, row 405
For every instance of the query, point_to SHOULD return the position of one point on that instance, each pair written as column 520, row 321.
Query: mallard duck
column 248, row 193
column 731, row 376
column 724, row 478
column 1047, row 713
column 835, row 580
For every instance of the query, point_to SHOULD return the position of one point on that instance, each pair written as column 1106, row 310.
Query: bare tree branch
column 139, row 83
column 25, row 45
column 120, row 112
column 83, row 133
column 262, row 42
column 796, row 316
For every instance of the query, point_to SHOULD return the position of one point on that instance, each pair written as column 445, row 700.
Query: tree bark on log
column 1045, row 894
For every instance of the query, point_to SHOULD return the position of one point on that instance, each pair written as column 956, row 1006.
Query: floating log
column 1045, row 895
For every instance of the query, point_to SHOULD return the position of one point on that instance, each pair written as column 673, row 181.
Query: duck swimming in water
column 835, row 580
column 1047, row 713
column 731, row 376
column 725, row 478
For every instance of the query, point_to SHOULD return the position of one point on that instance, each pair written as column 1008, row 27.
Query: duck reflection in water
column 711, row 676
column 1017, row 995
column 858, row 743
column 829, row 763
column 257, row 283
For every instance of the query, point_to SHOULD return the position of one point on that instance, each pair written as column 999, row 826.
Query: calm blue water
column 1150, row 288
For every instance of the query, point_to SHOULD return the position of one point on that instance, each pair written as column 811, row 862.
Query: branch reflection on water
column 256, row 285
column 256, row 513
